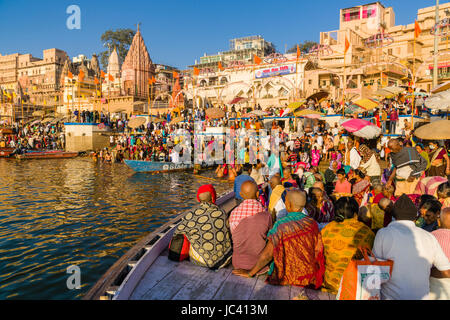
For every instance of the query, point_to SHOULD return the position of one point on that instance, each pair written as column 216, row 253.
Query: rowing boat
column 146, row 273
column 50, row 154
column 155, row 166
column 6, row 152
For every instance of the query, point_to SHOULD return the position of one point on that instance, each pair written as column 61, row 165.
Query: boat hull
column 154, row 166
column 46, row 155
column 6, row 152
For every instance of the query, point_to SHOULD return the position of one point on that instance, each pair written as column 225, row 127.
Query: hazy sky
column 179, row 31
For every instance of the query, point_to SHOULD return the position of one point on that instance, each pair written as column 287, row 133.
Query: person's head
column 275, row 180
column 386, row 205
column 359, row 175
column 433, row 145
column 287, row 172
column 430, row 211
column 334, row 165
column 246, row 168
column 295, row 200
column 345, row 208
column 341, row 174
column 388, row 191
column 364, row 216
column 316, row 195
column 377, row 188
column 445, row 218
column 443, row 190
column 206, row 193
column 404, row 209
column 350, row 144
column 249, row 190
column 419, row 147
column 319, row 185
column 394, row 145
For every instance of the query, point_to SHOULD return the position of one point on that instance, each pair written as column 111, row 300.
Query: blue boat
column 156, row 166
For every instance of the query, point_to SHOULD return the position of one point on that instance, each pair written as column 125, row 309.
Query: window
column 351, row 14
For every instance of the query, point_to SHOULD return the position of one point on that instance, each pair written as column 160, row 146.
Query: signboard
column 275, row 71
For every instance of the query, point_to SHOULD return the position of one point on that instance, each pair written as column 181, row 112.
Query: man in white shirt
column 352, row 157
column 414, row 252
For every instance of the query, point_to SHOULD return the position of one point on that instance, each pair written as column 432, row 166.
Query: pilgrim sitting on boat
column 205, row 231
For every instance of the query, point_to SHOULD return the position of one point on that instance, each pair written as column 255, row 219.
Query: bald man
column 249, row 224
column 295, row 246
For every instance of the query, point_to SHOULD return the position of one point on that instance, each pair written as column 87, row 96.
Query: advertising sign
column 275, row 71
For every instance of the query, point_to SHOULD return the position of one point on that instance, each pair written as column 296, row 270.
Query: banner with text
column 275, row 71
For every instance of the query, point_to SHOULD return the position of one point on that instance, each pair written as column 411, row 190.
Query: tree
column 121, row 39
column 304, row 48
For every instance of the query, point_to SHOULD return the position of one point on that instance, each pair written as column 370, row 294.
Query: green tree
column 121, row 39
column 304, row 47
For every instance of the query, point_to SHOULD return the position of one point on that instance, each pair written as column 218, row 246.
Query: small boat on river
column 146, row 273
column 6, row 152
column 157, row 166
column 46, row 154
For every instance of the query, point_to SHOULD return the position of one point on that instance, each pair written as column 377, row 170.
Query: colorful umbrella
column 215, row 113
column 366, row 104
column 136, row 122
column 437, row 130
column 354, row 109
column 238, row 100
column 259, row 113
column 361, row 128
column 318, row 96
column 305, row 112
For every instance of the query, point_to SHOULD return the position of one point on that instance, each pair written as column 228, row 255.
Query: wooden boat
column 145, row 273
column 155, row 166
column 6, row 152
column 50, row 154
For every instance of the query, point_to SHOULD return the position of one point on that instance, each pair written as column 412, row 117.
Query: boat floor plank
column 236, row 288
column 154, row 274
column 265, row 291
column 203, row 285
column 169, row 286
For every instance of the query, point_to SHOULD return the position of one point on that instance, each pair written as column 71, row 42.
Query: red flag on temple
column 96, row 80
column 347, row 45
column 417, row 29
column 220, row 66
column 298, row 52
column 70, row 75
column 81, row 76
column 257, row 59
column 110, row 78
column 196, row 71
column 102, row 74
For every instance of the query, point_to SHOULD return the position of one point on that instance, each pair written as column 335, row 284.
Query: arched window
column 223, row 80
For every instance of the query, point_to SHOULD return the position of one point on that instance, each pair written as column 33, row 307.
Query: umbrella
column 238, row 100
column 318, row 96
column 384, row 93
column 259, row 113
column 354, row 109
column 297, row 104
column 439, row 101
column 38, row 113
column 442, row 87
column 394, row 90
column 136, row 122
column 176, row 120
column 366, row 104
column 361, row 128
column 214, row 113
column 305, row 112
column 437, row 130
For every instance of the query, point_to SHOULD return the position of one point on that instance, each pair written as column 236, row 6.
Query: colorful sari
column 341, row 241
column 359, row 190
column 298, row 257
column 315, row 158
column 429, row 185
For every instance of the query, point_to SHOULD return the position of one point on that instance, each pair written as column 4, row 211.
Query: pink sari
column 315, row 158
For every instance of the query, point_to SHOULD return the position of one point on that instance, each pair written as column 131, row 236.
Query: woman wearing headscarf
column 206, row 228
column 440, row 163
column 361, row 186
column 341, row 239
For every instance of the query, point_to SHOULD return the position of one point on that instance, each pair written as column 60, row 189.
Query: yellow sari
column 341, row 241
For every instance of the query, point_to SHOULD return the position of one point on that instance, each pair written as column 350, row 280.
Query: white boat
column 146, row 273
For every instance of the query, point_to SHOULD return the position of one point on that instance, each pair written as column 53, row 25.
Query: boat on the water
column 156, row 166
column 6, row 152
column 46, row 154
column 146, row 273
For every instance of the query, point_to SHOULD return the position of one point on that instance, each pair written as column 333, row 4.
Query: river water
column 63, row 212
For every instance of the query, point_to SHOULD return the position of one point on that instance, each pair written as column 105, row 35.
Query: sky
column 176, row 32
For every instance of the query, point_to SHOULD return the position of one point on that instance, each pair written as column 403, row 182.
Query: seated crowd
column 304, row 229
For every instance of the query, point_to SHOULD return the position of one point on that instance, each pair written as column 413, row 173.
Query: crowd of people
column 32, row 136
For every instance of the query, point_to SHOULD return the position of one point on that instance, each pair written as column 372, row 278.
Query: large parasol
column 440, row 101
column 238, row 100
column 367, row 104
column 136, row 122
column 215, row 113
column 361, row 128
column 318, row 96
column 437, row 130
column 307, row 113
column 176, row 120
column 442, row 87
